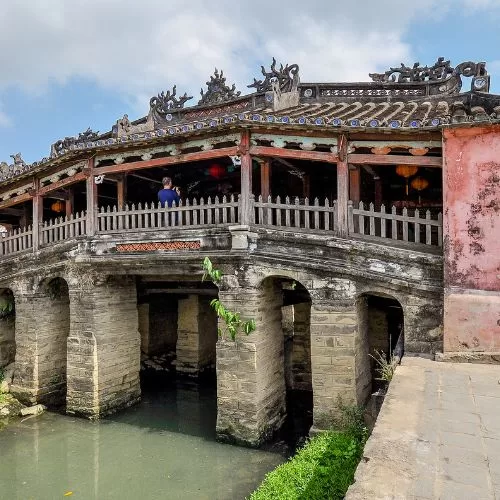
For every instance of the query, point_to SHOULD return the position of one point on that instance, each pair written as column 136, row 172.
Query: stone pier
column 250, row 372
column 103, row 346
column 196, row 335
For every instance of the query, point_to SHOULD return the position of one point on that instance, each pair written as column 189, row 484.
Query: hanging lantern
column 216, row 171
column 58, row 206
column 419, row 183
column 406, row 171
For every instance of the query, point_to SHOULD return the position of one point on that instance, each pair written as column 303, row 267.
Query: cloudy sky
column 68, row 65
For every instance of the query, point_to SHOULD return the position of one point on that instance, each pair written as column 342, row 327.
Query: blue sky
column 70, row 65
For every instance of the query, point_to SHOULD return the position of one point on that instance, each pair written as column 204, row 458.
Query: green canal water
column 163, row 448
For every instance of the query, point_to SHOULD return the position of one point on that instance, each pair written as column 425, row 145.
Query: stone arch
column 381, row 323
column 53, row 319
column 7, row 332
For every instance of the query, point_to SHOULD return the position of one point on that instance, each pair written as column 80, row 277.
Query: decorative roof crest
column 163, row 103
column 441, row 70
column 287, row 77
column 17, row 167
column 61, row 144
column 217, row 90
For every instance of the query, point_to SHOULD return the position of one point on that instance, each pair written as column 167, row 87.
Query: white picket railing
column 412, row 226
column 415, row 227
column 63, row 228
column 153, row 217
column 16, row 241
column 296, row 215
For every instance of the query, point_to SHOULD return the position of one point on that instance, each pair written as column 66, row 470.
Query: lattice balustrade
column 16, row 241
column 153, row 217
column 411, row 225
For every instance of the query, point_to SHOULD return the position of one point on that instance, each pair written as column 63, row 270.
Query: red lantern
column 216, row 171
column 58, row 206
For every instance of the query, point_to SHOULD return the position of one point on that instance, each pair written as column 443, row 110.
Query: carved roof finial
column 217, row 90
column 164, row 102
column 287, row 77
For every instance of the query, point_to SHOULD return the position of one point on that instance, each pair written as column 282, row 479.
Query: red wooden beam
column 421, row 161
column 14, row 201
column 293, row 154
column 169, row 160
column 80, row 176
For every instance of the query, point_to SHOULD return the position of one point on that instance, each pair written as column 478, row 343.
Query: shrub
column 323, row 468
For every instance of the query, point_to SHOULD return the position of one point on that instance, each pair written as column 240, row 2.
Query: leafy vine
column 233, row 323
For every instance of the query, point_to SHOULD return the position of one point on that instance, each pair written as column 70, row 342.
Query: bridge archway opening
column 286, row 307
column 7, row 327
column 53, row 333
column 381, row 332
column 178, row 331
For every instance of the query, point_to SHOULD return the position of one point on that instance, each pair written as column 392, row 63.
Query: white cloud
column 140, row 48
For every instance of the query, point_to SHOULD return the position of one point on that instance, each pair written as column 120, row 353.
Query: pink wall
column 471, row 171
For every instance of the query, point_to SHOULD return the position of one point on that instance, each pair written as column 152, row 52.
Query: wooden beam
column 91, row 198
column 265, row 179
column 355, row 184
column 79, row 177
column 121, row 188
column 246, row 178
column 421, row 161
column 70, row 202
column 168, row 160
column 14, row 201
column 293, row 154
column 37, row 214
column 342, row 188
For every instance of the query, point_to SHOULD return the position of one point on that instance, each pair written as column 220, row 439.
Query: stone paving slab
column 437, row 435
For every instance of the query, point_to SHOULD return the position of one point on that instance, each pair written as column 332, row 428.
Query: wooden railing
column 16, row 241
column 63, row 228
column 297, row 215
column 411, row 225
column 153, row 217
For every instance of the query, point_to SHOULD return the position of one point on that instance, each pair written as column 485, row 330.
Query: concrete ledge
column 487, row 358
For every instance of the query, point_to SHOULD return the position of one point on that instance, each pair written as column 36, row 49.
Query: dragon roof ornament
column 17, row 167
column 63, row 144
column 165, row 102
column 439, row 71
column 217, row 91
column 287, row 77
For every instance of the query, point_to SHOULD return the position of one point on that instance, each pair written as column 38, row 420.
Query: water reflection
column 163, row 448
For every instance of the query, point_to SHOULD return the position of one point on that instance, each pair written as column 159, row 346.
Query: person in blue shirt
column 168, row 195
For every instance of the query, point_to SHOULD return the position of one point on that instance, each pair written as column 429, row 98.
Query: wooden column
column 91, row 188
column 265, row 179
column 70, row 202
column 306, row 186
column 378, row 192
column 342, row 188
column 37, row 214
column 354, row 184
column 121, row 187
column 246, row 179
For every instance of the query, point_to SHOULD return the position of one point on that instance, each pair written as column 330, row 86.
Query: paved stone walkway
column 437, row 435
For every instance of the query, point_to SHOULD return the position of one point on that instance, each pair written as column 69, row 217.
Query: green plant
column 385, row 368
column 6, row 304
column 350, row 419
column 232, row 320
column 2, row 375
column 323, row 468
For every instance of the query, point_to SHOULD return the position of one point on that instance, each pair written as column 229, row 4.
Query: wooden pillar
column 354, row 184
column 70, row 202
column 23, row 221
column 306, row 186
column 246, row 179
column 342, row 187
column 378, row 192
column 37, row 214
column 91, row 198
column 265, row 179
column 121, row 187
